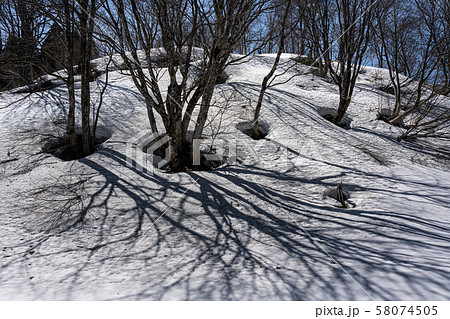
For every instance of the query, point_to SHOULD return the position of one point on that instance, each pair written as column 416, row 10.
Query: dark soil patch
column 391, row 91
column 328, row 114
column 250, row 133
column 306, row 60
column 384, row 115
column 207, row 163
column 387, row 89
column 247, row 129
column 61, row 148
column 381, row 116
column 94, row 75
column 333, row 193
column 329, row 117
column 222, row 78
column 161, row 159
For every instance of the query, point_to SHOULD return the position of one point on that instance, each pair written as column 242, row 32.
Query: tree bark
column 344, row 103
column 85, row 46
column 70, row 80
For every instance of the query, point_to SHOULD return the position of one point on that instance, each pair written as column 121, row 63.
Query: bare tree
column 73, row 24
column 427, row 106
column 192, row 72
column 69, row 30
column 265, row 83
column 393, row 32
column 415, row 44
column 320, row 15
column 352, row 24
column 23, row 27
column 346, row 23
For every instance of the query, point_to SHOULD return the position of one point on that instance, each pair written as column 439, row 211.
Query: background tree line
column 409, row 38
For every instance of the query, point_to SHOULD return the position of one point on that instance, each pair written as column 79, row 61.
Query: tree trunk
column 397, row 93
column 255, row 126
column 85, row 47
column 150, row 114
column 206, row 102
column 179, row 149
column 70, row 81
column 344, row 102
column 264, row 84
column 71, row 116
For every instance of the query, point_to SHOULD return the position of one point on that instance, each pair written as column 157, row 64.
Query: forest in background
column 337, row 37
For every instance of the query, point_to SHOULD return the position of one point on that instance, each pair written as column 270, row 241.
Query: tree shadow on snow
column 222, row 235
column 238, row 233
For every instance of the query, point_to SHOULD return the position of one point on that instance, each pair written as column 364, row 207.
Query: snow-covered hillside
column 257, row 228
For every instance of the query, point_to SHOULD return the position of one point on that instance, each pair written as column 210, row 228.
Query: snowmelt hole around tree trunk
column 328, row 114
column 247, row 129
column 158, row 155
column 60, row 146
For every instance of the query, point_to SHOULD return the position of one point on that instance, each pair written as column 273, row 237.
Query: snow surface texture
column 258, row 228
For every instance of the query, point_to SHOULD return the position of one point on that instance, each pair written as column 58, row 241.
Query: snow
column 258, row 228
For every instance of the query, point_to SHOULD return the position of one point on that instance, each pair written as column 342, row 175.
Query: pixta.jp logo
column 148, row 152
